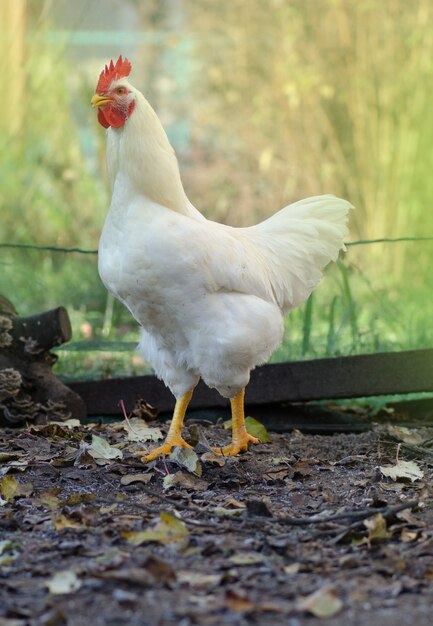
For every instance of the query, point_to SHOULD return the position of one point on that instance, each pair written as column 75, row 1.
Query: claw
column 163, row 450
column 240, row 445
column 174, row 437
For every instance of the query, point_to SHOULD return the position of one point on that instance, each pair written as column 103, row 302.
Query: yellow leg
column 240, row 437
column 174, row 436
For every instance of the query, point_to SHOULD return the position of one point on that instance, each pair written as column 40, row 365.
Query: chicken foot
column 174, row 436
column 240, row 437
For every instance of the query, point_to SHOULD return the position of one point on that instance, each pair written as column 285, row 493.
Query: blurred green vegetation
column 280, row 100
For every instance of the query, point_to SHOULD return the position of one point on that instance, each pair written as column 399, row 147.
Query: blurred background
column 265, row 103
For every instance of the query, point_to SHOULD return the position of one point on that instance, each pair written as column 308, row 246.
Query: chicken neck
column 141, row 151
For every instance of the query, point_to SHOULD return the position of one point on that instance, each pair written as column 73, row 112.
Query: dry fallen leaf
column 138, row 430
column 13, row 622
column 169, row 529
column 187, row 458
column 101, row 449
column 8, row 553
column 213, row 459
column 409, row 535
column 198, row 580
column 61, row 521
column 62, row 582
column 70, row 423
column 50, row 498
column 11, row 488
column 221, row 511
column 411, row 436
column 235, row 504
column 17, row 465
column 5, row 457
column 128, row 479
column 239, row 603
column 377, row 528
column 187, row 481
column 322, row 603
column 403, row 470
column 247, row 558
column 407, row 516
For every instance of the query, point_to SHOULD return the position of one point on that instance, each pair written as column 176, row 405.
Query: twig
column 386, row 511
column 397, row 453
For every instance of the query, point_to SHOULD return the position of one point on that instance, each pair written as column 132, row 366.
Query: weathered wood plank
column 300, row 381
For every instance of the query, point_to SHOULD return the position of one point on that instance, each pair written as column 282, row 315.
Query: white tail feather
column 298, row 242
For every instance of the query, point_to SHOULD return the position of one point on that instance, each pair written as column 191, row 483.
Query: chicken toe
column 164, row 450
column 238, row 445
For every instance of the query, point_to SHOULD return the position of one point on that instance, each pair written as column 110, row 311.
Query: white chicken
column 210, row 299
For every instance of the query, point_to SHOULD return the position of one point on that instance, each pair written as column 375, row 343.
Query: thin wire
column 359, row 242
column 29, row 246
column 362, row 242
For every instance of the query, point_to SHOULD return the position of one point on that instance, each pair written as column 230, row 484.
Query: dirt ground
column 304, row 530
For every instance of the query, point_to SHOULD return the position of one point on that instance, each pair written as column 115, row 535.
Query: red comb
column 113, row 72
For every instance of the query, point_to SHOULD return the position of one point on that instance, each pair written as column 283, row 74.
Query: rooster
column 210, row 299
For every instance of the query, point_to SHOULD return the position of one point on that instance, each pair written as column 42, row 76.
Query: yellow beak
column 99, row 101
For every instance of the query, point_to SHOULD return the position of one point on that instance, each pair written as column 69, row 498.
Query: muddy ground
column 306, row 529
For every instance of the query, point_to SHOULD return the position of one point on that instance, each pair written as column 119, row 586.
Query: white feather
column 209, row 298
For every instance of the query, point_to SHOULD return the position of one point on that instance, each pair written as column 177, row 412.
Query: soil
column 304, row 530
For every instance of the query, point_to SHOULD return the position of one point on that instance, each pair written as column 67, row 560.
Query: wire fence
column 106, row 345
column 359, row 242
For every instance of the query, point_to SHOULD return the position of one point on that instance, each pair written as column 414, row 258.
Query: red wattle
column 101, row 119
column 114, row 117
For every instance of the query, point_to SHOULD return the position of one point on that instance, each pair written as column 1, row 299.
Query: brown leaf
column 101, row 449
column 61, row 521
column 131, row 575
column 169, row 529
column 138, row 430
column 409, row 535
column 11, row 488
column 302, row 468
column 144, row 410
column 403, row 470
column 411, row 436
column 247, row 558
column 49, row 498
column 213, row 459
column 160, row 570
column 236, row 504
column 239, row 603
column 128, row 479
column 63, row 582
column 322, row 603
column 79, row 498
column 377, row 528
column 185, row 481
column 198, row 580
column 186, row 458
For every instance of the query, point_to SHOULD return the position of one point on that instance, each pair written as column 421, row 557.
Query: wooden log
column 29, row 391
column 42, row 332
column 301, row 381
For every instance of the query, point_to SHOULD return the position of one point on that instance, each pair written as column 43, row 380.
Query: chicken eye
column 120, row 90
